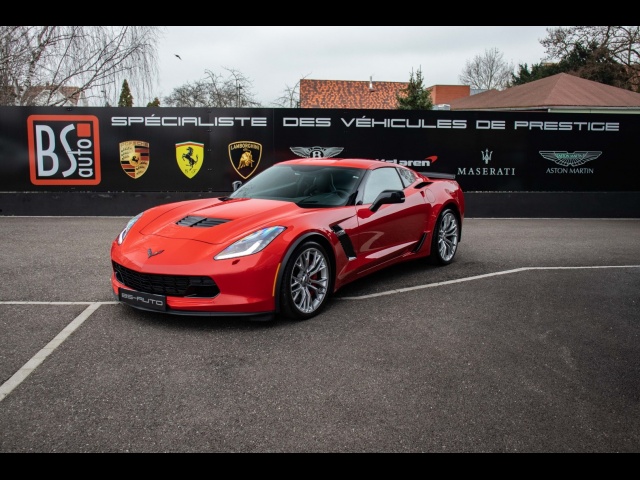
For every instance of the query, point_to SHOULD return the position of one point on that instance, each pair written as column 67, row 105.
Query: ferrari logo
column 245, row 157
column 134, row 157
column 190, row 156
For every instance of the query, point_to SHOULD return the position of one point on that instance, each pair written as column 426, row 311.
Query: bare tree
column 215, row 90
column 487, row 71
column 53, row 65
column 290, row 96
column 194, row 94
column 621, row 43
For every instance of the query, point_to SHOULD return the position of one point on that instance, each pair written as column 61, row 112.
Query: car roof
column 363, row 163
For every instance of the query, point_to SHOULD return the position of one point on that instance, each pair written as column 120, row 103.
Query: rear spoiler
column 450, row 176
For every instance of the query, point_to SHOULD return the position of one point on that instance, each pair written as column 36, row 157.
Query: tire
column 446, row 236
column 306, row 283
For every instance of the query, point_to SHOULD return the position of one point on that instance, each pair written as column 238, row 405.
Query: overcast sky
column 274, row 58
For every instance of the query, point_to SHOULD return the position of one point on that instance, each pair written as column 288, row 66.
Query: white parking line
column 8, row 302
column 39, row 357
column 476, row 277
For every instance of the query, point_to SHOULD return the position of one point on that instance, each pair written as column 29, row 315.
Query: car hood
column 215, row 221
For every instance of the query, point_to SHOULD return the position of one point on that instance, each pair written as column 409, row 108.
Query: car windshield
column 306, row 185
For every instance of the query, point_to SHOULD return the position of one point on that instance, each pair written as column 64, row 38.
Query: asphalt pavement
column 527, row 342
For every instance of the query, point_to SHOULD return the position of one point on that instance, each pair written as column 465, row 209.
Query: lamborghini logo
column 245, row 157
column 134, row 157
column 190, row 156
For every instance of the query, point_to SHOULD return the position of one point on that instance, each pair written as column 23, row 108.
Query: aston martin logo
column 151, row 253
column 566, row 159
column 317, row 152
column 134, row 157
column 245, row 157
column 190, row 156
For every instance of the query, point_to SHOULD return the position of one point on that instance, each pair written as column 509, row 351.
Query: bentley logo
column 566, row 159
column 190, row 156
column 317, row 152
column 245, row 157
column 151, row 253
column 134, row 157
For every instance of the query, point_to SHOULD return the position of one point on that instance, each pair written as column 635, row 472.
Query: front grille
column 172, row 285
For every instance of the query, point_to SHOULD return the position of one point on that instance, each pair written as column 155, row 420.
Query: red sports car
column 286, row 240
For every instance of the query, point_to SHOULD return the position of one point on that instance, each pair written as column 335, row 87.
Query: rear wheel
column 446, row 235
column 306, row 282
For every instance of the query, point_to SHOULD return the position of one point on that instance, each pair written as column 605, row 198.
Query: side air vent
column 345, row 241
column 204, row 222
column 420, row 243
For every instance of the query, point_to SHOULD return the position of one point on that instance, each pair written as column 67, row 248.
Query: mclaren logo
column 190, row 156
column 245, row 157
column 151, row 253
column 134, row 157
column 316, row 152
column 567, row 159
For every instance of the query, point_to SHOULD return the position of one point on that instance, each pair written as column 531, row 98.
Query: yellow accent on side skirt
column 275, row 281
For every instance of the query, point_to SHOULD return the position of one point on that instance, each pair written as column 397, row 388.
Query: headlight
column 126, row 229
column 250, row 244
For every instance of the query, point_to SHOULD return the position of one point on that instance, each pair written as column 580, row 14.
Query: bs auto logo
column 64, row 149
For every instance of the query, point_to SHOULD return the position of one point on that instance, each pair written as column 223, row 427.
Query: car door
column 393, row 229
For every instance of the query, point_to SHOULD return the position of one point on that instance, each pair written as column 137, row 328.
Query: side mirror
column 386, row 197
column 236, row 185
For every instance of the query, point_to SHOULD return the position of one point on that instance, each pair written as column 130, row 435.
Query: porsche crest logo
column 245, row 157
column 190, row 156
column 134, row 157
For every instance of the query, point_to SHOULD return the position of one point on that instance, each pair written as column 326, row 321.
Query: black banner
column 106, row 149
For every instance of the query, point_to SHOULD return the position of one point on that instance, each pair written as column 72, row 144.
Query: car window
column 408, row 176
column 379, row 180
column 308, row 185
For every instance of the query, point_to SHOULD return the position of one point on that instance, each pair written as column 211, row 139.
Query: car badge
column 134, row 157
column 566, row 159
column 190, row 156
column 245, row 157
column 151, row 253
column 316, row 152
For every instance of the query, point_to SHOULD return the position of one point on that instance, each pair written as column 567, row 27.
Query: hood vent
column 204, row 222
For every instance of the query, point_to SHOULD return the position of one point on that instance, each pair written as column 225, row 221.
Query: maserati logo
column 134, row 157
column 245, row 157
column 566, row 159
column 317, row 152
column 190, row 156
column 151, row 253
column 486, row 156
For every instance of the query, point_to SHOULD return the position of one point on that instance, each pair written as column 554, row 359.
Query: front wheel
column 306, row 282
column 446, row 236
